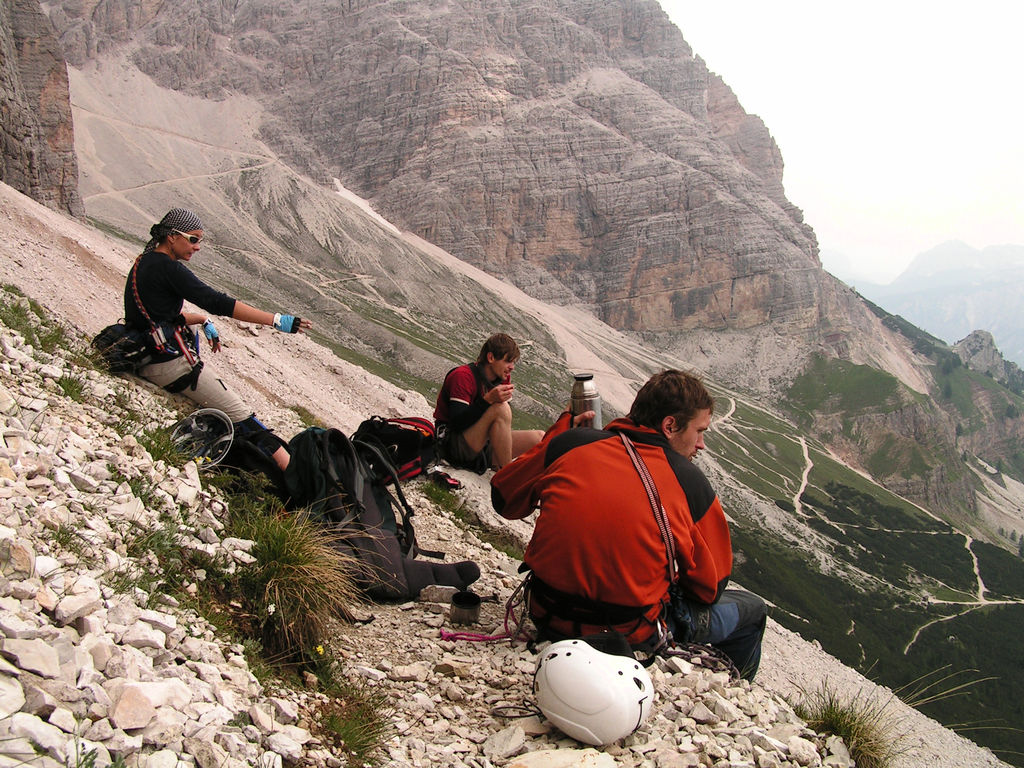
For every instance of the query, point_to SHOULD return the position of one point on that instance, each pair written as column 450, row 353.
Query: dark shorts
column 454, row 449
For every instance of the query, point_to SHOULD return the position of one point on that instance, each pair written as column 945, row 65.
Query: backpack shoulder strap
column 389, row 472
column 405, row 510
column 336, row 439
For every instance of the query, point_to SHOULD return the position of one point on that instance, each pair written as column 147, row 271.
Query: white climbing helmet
column 594, row 697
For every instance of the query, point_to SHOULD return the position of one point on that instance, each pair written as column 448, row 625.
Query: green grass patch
column 68, row 539
column 1001, row 571
column 72, row 387
column 834, row 386
column 307, row 417
column 299, row 582
column 829, row 474
column 116, row 232
column 157, row 441
column 28, row 318
column 894, row 453
column 356, row 721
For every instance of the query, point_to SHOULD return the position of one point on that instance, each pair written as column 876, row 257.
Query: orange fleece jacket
column 596, row 535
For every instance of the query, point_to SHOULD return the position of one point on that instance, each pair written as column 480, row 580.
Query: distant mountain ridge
column 955, row 289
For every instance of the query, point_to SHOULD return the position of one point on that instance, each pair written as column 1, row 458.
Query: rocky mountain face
column 37, row 151
column 978, row 351
column 579, row 149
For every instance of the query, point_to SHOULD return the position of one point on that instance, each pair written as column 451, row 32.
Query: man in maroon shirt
column 473, row 416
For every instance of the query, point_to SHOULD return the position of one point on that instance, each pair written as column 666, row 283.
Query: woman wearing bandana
column 158, row 285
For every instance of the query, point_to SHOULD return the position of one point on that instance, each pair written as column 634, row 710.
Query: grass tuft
column 869, row 726
column 29, row 319
column 72, row 387
column 307, row 417
column 299, row 580
column 356, row 719
column 161, row 447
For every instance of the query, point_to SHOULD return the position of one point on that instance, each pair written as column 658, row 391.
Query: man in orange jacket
column 598, row 557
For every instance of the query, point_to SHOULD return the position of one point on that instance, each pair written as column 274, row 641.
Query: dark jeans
column 734, row 625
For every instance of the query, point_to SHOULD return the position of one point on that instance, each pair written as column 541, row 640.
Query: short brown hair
column 502, row 346
column 670, row 393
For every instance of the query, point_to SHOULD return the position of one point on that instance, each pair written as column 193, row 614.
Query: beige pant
column 210, row 392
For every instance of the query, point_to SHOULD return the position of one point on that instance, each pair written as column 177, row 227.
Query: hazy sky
column 901, row 123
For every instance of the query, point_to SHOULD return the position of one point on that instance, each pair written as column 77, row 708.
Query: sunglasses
column 191, row 238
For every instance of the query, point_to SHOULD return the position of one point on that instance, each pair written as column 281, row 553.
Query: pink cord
column 473, row 637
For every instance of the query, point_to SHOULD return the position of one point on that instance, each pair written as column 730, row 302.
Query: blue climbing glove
column 287, row 323
column 211, row 334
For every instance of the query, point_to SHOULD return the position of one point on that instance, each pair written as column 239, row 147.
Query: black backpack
column 122, row 349
column 408, row 442
column 343, row 483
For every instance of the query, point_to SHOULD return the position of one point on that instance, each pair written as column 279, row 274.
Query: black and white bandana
column 180, row 219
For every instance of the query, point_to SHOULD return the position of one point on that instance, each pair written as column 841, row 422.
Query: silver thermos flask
column 585, row 397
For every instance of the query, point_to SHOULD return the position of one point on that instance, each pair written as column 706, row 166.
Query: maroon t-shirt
column 461, row 398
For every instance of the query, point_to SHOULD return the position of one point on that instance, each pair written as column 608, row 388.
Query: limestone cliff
column 978, row 351
column 577, row 148
column 1000, row 413
column 37, row 152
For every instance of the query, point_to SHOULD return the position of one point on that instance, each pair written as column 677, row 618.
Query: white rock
column 285, row 710
column 132, row 708
column 803, row 751
column 505, row 743
column 46, row 566
column 15, row 627
column 83, row 598
column 12, row 696
column 163, row 758
column 62, row 718
column 17, row 557
column 143, row 635
column 563, row 758
column 285, row 746
column 47, row 737
column 207, row 754
column 166, row 727
column 261, row 717
column 32, row 655
column 83, row 482
column 165, row 622
column 270, row 760
column 702, row 714
column 100, row 730
column 725, row 709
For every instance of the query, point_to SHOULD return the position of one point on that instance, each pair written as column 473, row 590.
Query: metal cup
column 465, row 608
